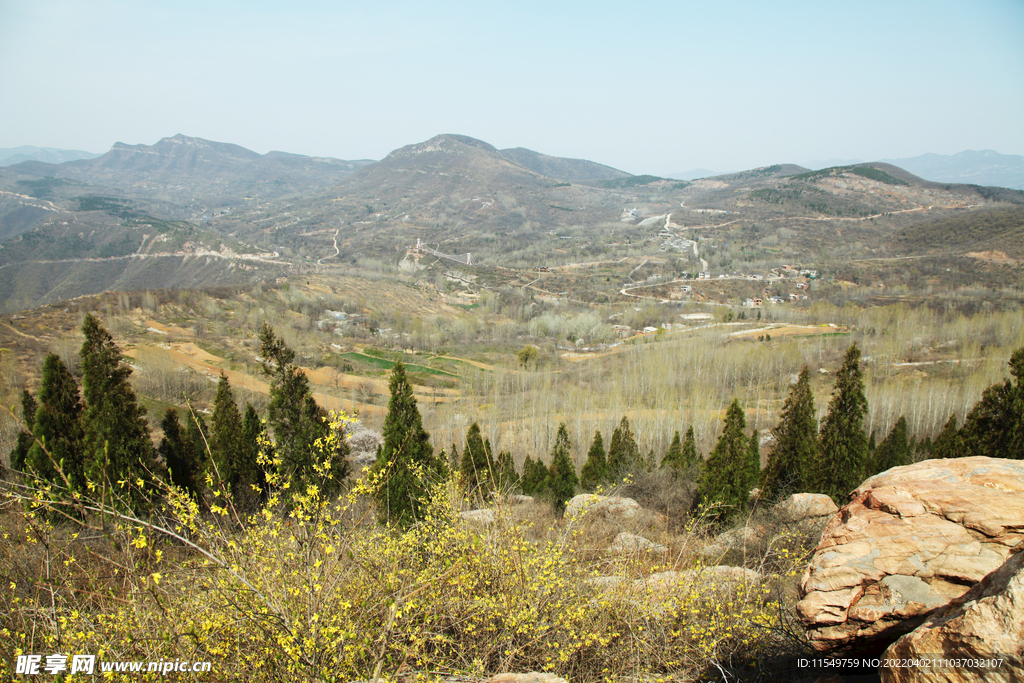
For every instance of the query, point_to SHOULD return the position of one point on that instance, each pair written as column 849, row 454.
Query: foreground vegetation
column 297, row 574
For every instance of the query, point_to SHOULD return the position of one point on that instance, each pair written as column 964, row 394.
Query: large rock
column 803, row 507
column 532, row 677
column 911, row 540
column 483, row 517
column 628, row 544
column 740, row 538
column 613, row 508
column 985, row 623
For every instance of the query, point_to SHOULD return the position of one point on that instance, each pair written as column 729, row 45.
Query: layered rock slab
column 982, row 627
column 910, row 540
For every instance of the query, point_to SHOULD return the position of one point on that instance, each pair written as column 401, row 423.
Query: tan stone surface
column 985, row 623
column 804, row 506
column 910, row 540
column 626, row 543
column 615, row 508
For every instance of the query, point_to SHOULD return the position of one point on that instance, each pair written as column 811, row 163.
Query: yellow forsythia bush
column 310, row 589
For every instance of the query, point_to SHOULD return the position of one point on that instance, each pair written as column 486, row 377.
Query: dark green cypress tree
column 231, row 452
column 562, row 478
column 184, row 468
column 752, row 465
column 623, row 453
column 995, row 425
column 118, row 448
column 254, row 434
column 894, row 450
column 476, row 468
column 58, row 427
column 725, row 472
column 690, row 456
column 843, row 458
column 505, row 466
column 407, row 456
column 948, row 443
column 25, row 440
column 298, row 422
column 673, row 459
column 535, row 477
column 793, row 458
column 595, row 469
column 197, row 437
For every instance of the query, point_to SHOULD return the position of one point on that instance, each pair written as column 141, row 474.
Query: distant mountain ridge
column 50, row 155
column 984, row 167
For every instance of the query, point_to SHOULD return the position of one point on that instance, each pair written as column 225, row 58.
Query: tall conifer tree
column 995, row 425
column 843, row 458
column 794, row 452
column 298, row 422
column 562, row 478
column 24, row 443
column 752, row 466
column 477, row 468
column 623, row 453
column 118, row 448
column 57, row 426
column 948, row 444
column 690, row 456
column 725, row 472
column 673, row 459
column 595, row 469
column 894, row 449
column 407, row 455
column 184, row 468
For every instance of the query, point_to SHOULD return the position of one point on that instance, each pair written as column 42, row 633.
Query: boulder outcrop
column 626, row 543
column 613, row 508
column 483, row 517
column 805, row 507
column 985, row 624
column 911, row 540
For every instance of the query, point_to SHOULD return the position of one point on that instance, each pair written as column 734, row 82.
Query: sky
column 645, row 86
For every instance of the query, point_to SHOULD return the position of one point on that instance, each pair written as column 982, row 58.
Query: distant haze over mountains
column 985, row 167
column 50, row 155
column 970, row 167
column 197, row 213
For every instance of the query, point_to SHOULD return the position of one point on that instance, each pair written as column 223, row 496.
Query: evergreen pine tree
column 894, row 449
column 535, row 477
column 406, row 455
column 298, row 422
column 476, row 468
column 117, row 442
column 233, row 454
column 948, row 443
column 58, row 427
column 183, row 464
column 623, row 454
column 24, row 443
column 673, row 459
column 725, row 473
column 843, row 458
column 226, row 437
column 595, row 469
column 197, row 437
column 690, row 456
column 505, row 467
column 794, row 454
column 995, row 425
column 752, row 465
column 562, row 478
column 254, row 434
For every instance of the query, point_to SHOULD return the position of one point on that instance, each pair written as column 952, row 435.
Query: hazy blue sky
column 648, row 87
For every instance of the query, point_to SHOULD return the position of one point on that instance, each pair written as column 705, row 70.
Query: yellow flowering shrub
column 314, row 590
